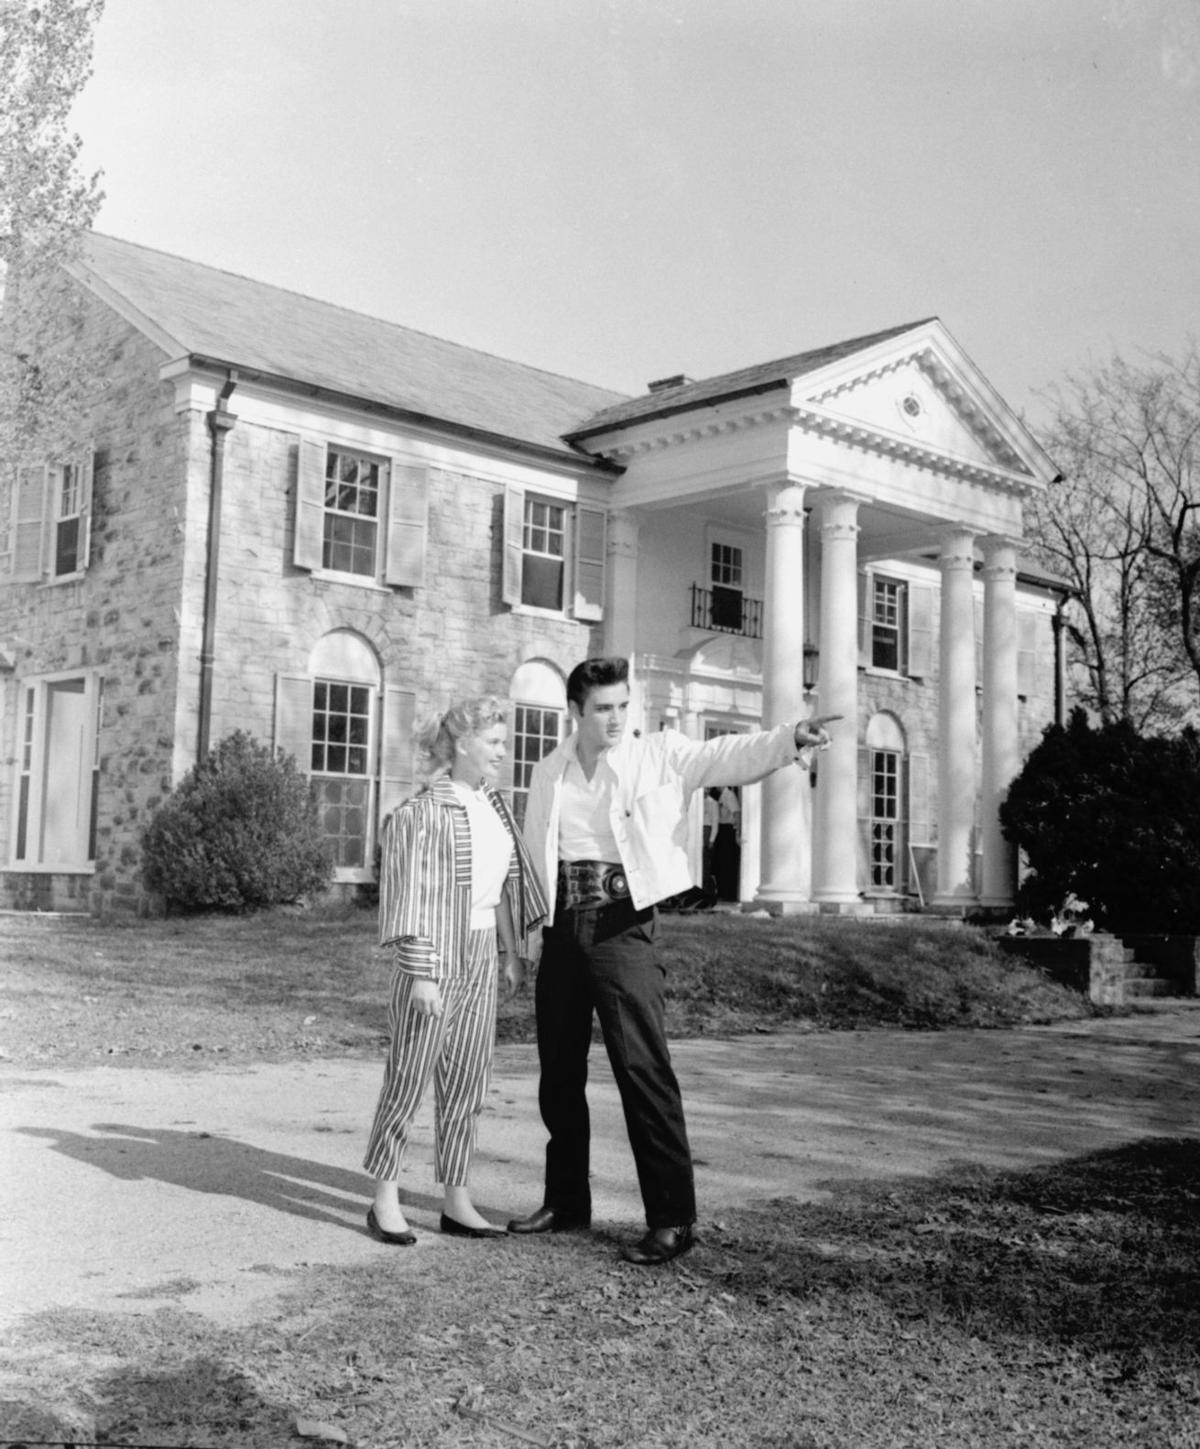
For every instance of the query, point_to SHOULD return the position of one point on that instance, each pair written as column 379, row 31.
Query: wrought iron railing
column 726, row 611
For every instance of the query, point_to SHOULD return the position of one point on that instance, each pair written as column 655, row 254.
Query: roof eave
column 411, row 416
column 668, row 410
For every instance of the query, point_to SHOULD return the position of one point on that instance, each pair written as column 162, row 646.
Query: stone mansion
column 316, row 526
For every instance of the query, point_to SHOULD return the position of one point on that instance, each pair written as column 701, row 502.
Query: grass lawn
column 1053, row 1307
column 303, row 982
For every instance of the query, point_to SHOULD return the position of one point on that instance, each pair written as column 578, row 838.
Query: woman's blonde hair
column 438, row 737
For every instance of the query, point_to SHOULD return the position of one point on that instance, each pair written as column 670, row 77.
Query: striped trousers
column 456, row 1050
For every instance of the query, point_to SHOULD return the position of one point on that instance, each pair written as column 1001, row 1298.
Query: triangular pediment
column 920, row 394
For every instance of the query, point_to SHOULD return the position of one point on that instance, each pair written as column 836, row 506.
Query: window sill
column 534, row 612
column 353, row 581
column 23, row 867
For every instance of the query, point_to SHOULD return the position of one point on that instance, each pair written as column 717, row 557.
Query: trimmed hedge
column 240, row 832
column 1114, row 817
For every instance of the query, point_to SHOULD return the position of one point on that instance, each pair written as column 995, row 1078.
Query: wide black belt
column 585, row 885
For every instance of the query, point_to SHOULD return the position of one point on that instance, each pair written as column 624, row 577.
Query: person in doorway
column 606, row 828
column 454, row 876
column 727, row 848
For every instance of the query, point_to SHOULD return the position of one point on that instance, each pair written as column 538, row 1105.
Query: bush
column 241, row 831
column 1114, row 817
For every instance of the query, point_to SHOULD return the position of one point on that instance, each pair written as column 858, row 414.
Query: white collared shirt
column 653, row 779
column 584, row 826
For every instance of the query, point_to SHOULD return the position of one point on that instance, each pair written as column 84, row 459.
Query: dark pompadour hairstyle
column 594, row 674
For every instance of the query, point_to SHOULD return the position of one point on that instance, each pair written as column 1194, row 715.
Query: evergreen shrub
column 1114, row 817
column 240, row 832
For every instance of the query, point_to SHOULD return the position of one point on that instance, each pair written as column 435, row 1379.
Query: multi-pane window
column 544, row 553
column 341, row 755
column 727, row 587
column 68, row 503
column 536, row 732
column 352, row 512
column 887, row 623
column 885, row 819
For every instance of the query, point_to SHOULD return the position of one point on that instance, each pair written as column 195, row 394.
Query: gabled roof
column 762, row 377
column 205, row 313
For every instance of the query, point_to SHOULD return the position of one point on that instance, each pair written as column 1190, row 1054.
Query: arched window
column 885, row 750
column 539, row 695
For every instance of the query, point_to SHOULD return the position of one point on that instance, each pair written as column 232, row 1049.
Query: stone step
column 1148, row 986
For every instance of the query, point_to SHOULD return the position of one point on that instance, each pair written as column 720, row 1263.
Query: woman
column 454, row 874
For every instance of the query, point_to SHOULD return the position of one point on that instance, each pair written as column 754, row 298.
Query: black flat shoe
column 396, row 1240
column 460, row 1230
column 660, row 1245
column 546, row 1220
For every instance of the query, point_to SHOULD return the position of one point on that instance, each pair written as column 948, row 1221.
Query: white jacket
column 656, row 775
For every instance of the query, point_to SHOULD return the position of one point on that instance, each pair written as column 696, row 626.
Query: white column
column 786, row 807
column 834, row 852
column 1001, row 746
column 620, row 600
column 956, row 721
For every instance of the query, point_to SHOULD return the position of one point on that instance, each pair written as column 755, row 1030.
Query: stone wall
column 119, row 619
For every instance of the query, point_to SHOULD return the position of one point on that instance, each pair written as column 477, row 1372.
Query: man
column 606, row 826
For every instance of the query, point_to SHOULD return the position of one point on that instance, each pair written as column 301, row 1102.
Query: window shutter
column 1027, row 632
column 920, row 630
column 863, row 797
column 293, row 718
column 83, row 554
column 29, row 516
column 864, row 620
column 408, row 525
column 591, row 533
column 919, row 814
column 308, row 546
column 396, row 749
column 514, row 544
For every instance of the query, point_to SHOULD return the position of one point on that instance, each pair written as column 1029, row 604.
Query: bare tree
column 1121, row 526
column 45, row 207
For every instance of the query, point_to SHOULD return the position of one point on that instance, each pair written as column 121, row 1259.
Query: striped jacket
column 425, row 882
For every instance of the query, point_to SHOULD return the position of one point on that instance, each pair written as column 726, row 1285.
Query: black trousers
column 603, row 961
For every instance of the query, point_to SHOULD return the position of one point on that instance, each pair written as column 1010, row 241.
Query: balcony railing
column 726, row 611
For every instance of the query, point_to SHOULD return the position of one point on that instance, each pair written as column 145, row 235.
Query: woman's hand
column 426, row 997
column 514, row 972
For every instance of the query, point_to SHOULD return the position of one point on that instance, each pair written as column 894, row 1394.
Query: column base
column 953, row 904
column 997, row 903
column 842, row 907
column 781, row 903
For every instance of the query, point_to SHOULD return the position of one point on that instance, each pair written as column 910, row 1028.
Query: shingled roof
column 762, row 377
column 257, row 328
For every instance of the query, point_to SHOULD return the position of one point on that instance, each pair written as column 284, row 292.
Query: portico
column 863, row 486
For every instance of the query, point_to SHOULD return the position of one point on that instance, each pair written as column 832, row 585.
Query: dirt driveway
column 133, row 1188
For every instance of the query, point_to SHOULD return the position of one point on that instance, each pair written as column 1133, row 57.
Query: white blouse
column 491, row 855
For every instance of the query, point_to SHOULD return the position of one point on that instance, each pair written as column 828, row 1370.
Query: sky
column 622, row 190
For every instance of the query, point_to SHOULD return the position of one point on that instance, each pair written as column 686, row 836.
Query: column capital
column 999, row 555
column 785, row 505
column 838, row 513
column 958, row 548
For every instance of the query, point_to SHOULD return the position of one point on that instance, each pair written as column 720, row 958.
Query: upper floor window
column 554, row 554
column 726, row 587
column 888, row 607
column 51, row 521
column 544, row 546
column 360, row 516
column 350, row 542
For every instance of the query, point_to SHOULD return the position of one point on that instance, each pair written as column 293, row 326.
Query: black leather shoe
column 660, row 1245
column 397, row 1240
column 547, row 1220
column 460, row 1230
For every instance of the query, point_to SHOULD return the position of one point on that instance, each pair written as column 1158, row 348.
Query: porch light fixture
column 812, row 658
